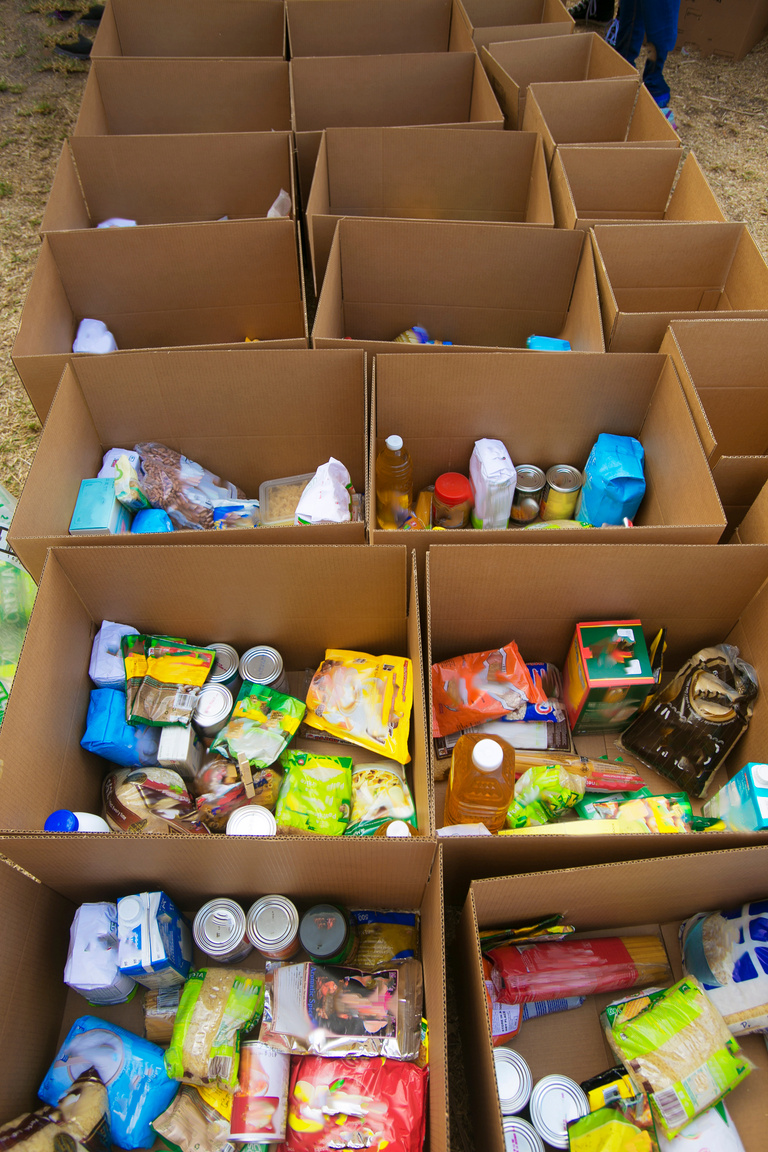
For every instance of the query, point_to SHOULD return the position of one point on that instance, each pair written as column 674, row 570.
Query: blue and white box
column 154, row 940
column 98, row 511
column 742, row 803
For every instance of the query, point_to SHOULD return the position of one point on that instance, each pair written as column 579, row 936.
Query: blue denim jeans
column 656, row 22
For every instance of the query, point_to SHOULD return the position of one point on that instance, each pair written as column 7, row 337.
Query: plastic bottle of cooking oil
column 394, row 483
column 482, row 781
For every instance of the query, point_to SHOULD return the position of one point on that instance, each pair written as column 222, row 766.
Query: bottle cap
column 487, row 755
column 398, row 828
column 395, row 443
column 760, row 774
column 62, row 820
column 452, row 488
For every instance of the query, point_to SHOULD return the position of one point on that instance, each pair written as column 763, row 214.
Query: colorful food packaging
column 106, row 668
column 385, row 937
column 468, row 690
column 364, row 699
column 192, row 1124
column 728, row 953
column 108, row 734
column 80, row 1122
column 612, row 1128
column 128, row 482
column 261, row 725
column 160, row 1008
column 216, row 1004
column 219, row 791
column 183, row 488
column 92, row 967
column 614, row 481
column 543, row 794
column 315, row 795
column 713, row 1131
column 379, row 794
column 671, row 813
column 164, row 679
column 152, row 800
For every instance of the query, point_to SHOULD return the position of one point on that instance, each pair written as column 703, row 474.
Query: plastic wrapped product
column 106, row 668
column 167, row 679
column 281, row 206
column 325, row 500
column 80, row 1122
column 92, row 967
column 315, row 795
column 160, row 1008
column 548, row 790
column 713, row 1131
column 340, row 1104
column 183, row 488
column 149, row 800
column 236, row 514
column 380, row 793
column 128, row 476
column 94, row 336
column 612, row 1128
column 132, row 1069
column 614, row 482
column 728, row 953
column 108, row 735
column 492, row 476
column 469, row 690
column 192, row 1124
column 385, row 937
column 262, row 724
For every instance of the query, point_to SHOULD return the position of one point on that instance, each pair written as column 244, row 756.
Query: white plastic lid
column 760, row 774
column 398, row 828
column 395, row 443
column 487, row 755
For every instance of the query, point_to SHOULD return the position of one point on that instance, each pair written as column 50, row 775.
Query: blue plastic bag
column 614, row 482
column 108, row 735
column 133, row 1070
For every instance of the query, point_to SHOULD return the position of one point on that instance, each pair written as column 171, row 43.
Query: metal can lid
column 272, row 922
column 225, row 665
column 514, row 1080
column 564, row 478
column 554, row 1101
column 261, row 665
column 520, row 1136
column 323, row 930
column 252, row 820
column 530, row 478
column 214, row 704
column 219, row 926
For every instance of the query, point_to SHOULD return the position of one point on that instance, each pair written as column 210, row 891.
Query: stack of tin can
column 550, row 1104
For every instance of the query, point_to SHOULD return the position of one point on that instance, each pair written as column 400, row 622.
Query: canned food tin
column 520, row 1136
column 214, row 707
column 252, row 820
column 514, row 1080
column 328, row 934
column 225, row 666
column 554, row 1101
column 264, row 665
column 219, row 931
column 273, row 927
column 260, row 1105
column 561, row 492
column 529, row 489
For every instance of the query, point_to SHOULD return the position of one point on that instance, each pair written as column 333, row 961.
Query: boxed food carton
column 607, row 675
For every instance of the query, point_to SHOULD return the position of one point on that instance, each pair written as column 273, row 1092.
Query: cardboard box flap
column 184, row 28
column 753, row 529
column 649, row 122
column 582, row 111
column 67, row 206
column 747, row 282
column 376, row 27
column 616, row 182
column 693, row 198
column 684, row 258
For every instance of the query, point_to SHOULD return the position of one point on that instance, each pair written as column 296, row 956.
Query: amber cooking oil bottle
column 482, row 781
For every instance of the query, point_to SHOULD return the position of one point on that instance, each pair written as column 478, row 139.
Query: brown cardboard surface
column 592, row 185
column 512, row 65
column 479, row 285
column 428, row 173
column 133, row 96
column 408, row 89
column 300, row 599
column 615, row 111
column 499, row 20
column 481, row 596
column 36, row 922
column 191, row 28
column 179, row 285
column 373, row 27
column 719, row 30
column 169, row 179
column 651, row 274
column 260, row 422
column 753, row 528
column 621, row 899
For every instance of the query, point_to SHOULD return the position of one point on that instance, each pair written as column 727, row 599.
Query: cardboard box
column 617, row 111
column 443, row 89
column 169, row 179
column 548, row 408
column 37, row 917
column 651, row 274
column 426, row 173
column 638, row 898
column 133, row 96
column 301, row 600
column 375, row 27
column 482, row 286
column 721, row 365
column 191, row 28
column 493, row 21
column 717, row 29
column 512, row 65
column 753, row 528
column 534, row 594
column 184, row 285
column 623, row 185
column 256, row 424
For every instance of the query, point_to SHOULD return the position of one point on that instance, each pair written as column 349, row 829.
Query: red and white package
column 469, row 690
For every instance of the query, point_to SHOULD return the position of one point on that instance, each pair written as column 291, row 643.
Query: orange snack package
column 469, row 690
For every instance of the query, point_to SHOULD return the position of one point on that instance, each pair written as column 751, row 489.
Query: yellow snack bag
column 364, row 699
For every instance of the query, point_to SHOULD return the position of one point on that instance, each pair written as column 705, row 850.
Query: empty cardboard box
column 191, row 28
column 169, row 179
column 721, row 364
column 651, row 274
column 183, row 285
column 265, row 417
column 427, row 173
column 479, row 598
column 718, row 29
column 417, row 88
column 644, row 897
column 513, row 64
column 375, row 27
column 135, row 96
column 617, row 111
column 623, row 185
column 493, row 21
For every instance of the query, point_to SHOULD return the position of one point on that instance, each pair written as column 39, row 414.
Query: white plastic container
column 492, row 477
column 64, row 820
column 92, row 961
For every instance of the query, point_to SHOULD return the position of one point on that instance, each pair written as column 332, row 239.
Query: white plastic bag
column 281, row 206
column 107, row 669
column 325, row 500
column 94, row 336
column 493, row 477
column 117, row 222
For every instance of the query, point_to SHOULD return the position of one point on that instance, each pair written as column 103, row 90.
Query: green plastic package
column 216, row 1005
column 315, row 794
column 262, row 723
column 542, row 794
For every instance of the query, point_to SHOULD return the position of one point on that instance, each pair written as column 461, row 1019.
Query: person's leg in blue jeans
column 656, row 22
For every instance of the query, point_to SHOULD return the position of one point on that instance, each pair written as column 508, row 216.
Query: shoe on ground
column 667, row 114
column 601, row 11
column 79, row 49
column 92, row 17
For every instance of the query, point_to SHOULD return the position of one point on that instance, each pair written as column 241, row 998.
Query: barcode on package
column 184, row 701
column 669, row 1104
column 168, row 998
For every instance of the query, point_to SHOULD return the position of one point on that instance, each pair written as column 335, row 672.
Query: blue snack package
column 108, row 735
column 132, row 1069
column 152, row 520
column 614, row 482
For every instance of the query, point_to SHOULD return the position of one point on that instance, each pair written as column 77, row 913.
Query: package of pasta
column 613, row 1128
column 366, row 700
column 469, row 690
column 315, row 795
column 194, row 1124
column 324, row 1011
column 216, row 1004
column 679, row 1051
column 728, row 953
column 262, row 724
column 160, row 1008
column 385, row 937
column 380, row 793
column 570, row 967
column 80, row 1121
column 543, row 794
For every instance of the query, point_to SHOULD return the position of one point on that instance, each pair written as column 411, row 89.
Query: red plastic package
column 371, row 1103
column 469, row 690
